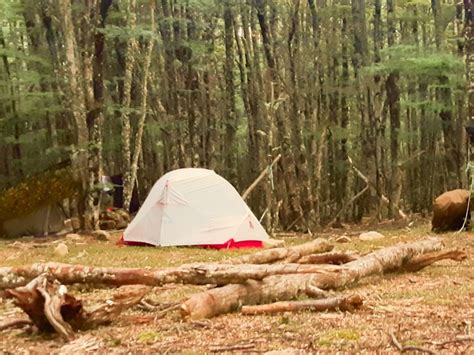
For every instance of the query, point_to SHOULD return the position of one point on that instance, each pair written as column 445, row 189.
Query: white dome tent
column 195, row 207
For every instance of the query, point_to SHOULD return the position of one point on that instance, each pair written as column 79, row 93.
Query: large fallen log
column 225, row 299
column 195, row 274
column 287, row 255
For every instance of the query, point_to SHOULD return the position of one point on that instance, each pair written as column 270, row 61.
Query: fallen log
column 226, row 299
column 195, row 274
column 342, row 303
column 327, row 258
column 287, row 255
column 51, row 309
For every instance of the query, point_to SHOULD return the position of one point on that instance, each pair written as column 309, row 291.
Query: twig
column 459, row 339
column 348, row 203
column 145, row 305
column 369, row 182
column 164, row 312
column 404, row 348
column 414, row 156
column 15, row 323
column 219, row 348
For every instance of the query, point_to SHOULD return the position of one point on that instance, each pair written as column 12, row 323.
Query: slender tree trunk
column 359, row 60
column 126, row 100
column 148, row 51
column 393, row 100
column 230, row 118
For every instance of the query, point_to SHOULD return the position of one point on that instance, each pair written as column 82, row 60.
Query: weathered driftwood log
column 51, row 308
column 287, row 255
column 279, row 288
column 334, row 258
column 343, row 303
column 196, row 274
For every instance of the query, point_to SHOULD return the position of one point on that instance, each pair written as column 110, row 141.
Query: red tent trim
column 230, row 244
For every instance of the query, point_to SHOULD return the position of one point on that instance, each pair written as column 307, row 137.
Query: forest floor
column 430, row 309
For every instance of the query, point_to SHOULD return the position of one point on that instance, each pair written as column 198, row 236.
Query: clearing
column 432, row 309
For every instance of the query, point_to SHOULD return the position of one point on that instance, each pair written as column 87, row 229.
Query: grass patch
column 338, row 336
column 149, row 337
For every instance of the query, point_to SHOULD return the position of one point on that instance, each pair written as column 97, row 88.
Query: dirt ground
column 432, row 309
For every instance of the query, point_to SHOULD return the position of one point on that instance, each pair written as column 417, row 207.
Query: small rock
column 61, row 250
column 343, row 239
column 371, row 236
column 101, row 235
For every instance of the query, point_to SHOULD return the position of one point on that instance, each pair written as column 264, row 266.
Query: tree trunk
column 126, row 106
column 393, row 99
column 230, row 118
column 75, row 99
column 137, row 151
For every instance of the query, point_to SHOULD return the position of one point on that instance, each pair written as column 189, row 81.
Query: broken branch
column 372, row 185
column 343, row 303
column 264, row 172
column 50, row 308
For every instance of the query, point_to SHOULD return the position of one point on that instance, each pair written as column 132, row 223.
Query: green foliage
column 43, row 189
column 413, row 62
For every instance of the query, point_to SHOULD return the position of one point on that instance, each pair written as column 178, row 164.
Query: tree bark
column 228, row 298
column 333, row 258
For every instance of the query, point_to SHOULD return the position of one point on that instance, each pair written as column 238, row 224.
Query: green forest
column 356, row 108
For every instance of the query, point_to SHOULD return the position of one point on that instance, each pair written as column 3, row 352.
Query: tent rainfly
column 195, row 207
